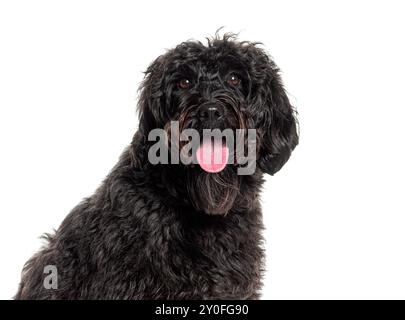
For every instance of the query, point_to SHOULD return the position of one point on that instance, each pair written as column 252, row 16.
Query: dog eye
column 184, row 84
column 233, row 80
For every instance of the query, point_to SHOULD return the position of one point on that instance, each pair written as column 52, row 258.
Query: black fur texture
column 174, row 231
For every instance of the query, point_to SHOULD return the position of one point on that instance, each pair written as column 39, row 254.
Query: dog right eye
column 184, row 84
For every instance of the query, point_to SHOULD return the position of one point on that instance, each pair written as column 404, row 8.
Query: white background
column 334, row 214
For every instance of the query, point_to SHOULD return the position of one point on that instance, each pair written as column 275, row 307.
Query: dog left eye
column 184, row 84
column 233, row 80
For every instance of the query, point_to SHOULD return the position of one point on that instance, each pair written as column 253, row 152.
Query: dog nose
column 209, row 112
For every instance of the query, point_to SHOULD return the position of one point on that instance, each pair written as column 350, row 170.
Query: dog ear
column 280, row 135
column 150, row 109
column 152, row 95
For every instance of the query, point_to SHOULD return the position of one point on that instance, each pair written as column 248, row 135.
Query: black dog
column 175, row 231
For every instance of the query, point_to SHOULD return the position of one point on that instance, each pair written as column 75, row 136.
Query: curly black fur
column 175, row 231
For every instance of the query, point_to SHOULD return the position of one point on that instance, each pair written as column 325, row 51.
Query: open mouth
column 212, row 155
column 211, row 149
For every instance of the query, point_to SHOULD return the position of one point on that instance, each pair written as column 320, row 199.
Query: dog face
column 225, row 84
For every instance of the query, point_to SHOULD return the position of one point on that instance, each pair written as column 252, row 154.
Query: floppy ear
column 150, row 109
column 280, row 135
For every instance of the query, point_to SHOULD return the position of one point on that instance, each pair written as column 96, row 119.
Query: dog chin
column 213, row 193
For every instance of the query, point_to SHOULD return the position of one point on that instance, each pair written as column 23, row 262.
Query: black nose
column 209, row 112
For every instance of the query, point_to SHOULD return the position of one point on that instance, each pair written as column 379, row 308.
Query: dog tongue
column 212, row 156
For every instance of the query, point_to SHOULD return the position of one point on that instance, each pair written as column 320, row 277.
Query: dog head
column 225, row 84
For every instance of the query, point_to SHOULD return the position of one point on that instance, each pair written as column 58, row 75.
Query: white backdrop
column 334, row 214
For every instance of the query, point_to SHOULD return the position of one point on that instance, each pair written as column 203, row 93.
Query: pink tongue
column 212, row 156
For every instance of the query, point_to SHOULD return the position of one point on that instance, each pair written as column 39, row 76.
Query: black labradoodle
column 178, row 231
